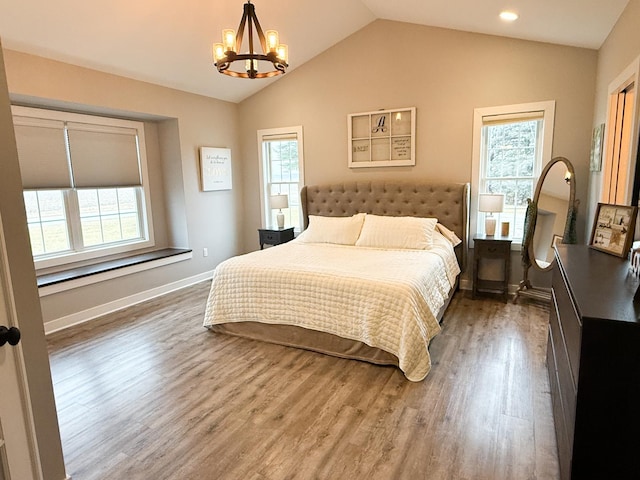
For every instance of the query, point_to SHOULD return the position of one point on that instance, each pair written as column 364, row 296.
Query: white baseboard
column 95, row 312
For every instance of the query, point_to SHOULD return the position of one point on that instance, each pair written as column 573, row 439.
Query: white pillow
column 451, row 236
column 338, row 230
column 397, row 232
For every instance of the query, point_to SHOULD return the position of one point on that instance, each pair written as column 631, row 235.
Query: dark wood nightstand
column 275, row 237
column 491, row 247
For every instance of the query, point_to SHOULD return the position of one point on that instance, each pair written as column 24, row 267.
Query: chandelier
column 226, row 53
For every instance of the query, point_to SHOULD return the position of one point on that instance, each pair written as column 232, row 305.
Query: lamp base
column 490, row 226
column 280, row 220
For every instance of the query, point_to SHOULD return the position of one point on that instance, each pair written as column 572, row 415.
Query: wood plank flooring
column 148, row 393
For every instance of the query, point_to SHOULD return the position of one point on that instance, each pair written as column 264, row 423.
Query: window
column 281, row 172
column 84, row 183
column 510, row 145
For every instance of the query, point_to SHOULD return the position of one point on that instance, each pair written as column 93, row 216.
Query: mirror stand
column 550, row 218
column 525, row 289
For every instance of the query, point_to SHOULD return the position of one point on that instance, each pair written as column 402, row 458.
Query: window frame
column 518, row 111
column 70, row 197
column 264, row 184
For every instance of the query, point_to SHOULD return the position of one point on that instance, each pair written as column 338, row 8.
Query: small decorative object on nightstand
column 490, row 203
column 275, row 237
column 491, row 247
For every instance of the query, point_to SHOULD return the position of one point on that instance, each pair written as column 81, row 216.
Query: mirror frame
column 536, row 198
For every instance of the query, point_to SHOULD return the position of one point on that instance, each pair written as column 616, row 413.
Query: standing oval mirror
column 550, row 220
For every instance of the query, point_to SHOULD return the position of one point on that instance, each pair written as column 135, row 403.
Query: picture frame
column 382, row 138
column 595, row 163
column 556, row 240
column 613, row 229
column 215, row 168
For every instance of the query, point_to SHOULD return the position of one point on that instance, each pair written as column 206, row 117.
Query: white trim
column 91, row 313
column 548, row 107
column 118, row 272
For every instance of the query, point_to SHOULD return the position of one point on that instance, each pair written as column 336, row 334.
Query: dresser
column 593, row 359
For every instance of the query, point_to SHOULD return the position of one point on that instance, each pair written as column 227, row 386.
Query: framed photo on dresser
column 613, row 228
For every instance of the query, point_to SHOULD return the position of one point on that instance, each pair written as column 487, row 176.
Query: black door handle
column 10, row 335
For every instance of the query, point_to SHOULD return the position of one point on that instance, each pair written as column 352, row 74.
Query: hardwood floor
column 148, row 393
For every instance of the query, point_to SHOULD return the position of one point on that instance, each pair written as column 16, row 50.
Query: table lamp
column 279, row 202
column 490, row 203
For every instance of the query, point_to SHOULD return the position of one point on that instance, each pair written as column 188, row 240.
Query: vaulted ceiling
column 169, row 43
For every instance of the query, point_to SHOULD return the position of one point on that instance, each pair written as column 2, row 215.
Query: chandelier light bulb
column 229, row 40
column 283, row 53
column 272, row 40
column 218, row 51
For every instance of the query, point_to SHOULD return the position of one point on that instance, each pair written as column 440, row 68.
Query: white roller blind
column 42, row 153
column 512, row 118
column 103, row 156
column 280, row 137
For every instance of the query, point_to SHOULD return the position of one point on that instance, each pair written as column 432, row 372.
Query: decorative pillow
column 397, row 232
column 449, row 235
column 338, row 230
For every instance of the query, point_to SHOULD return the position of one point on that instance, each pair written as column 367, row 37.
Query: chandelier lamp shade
column 271, row 62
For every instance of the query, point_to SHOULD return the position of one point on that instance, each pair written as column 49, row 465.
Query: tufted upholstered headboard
column 448, row 202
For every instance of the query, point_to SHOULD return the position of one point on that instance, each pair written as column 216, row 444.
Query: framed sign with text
column 384, row 138
column 215, row 168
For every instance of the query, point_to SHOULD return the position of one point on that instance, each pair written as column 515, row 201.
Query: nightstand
column 275, row 237
column 491, row 247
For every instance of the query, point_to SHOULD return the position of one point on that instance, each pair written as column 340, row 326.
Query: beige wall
column 620, row 49
column 14, row 223
column 178, row 123
column 445, row 74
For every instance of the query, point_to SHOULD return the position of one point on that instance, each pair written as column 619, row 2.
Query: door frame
column 21, row 374
column 630, row 75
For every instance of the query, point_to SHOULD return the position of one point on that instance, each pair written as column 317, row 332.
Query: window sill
column 51, row 283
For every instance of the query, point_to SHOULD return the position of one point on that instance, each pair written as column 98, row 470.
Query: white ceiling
column 168, row 42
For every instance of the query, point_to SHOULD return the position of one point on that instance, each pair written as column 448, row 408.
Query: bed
column 343, row 287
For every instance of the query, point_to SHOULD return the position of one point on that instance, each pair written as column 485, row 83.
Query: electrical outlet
column 205, row 252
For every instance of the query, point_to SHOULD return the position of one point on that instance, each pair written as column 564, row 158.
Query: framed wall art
column 383, row 138
column 595, row 164
column 215, row 168
column 613, row 229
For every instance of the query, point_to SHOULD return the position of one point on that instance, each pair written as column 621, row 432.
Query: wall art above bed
column 384, row 138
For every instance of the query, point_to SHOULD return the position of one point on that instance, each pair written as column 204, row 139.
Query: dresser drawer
column 566, row 383
column 490, row 249
column 270, row 237
column 569, row 321
column 564, row 442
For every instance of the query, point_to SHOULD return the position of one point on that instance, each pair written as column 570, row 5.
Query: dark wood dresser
column 593, row 358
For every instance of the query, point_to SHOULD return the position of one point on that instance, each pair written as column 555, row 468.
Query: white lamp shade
column 279, row 201
column 491, row 202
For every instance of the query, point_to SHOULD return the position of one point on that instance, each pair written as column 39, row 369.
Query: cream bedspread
column 385, row 298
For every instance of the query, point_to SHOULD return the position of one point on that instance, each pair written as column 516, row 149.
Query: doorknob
column 11, row 335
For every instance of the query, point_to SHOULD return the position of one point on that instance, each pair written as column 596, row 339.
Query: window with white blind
column 510, row 146
column 84, row 180
column 281, row 172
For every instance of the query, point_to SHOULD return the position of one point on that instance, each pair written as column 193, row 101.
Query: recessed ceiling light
column 508, row 16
